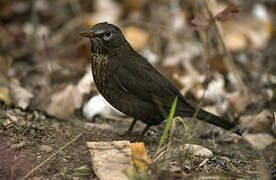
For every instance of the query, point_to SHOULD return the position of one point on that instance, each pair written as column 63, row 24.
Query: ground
column 46, row 82
column 233, row 156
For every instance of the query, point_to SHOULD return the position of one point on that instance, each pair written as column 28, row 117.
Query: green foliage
column 168, row 124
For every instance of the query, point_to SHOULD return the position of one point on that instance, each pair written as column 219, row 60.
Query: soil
column 41, row 52
column 233, row 156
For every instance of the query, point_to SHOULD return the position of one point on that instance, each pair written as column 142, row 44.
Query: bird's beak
column 87, row 34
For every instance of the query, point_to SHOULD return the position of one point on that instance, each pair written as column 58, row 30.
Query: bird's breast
column 100, row 72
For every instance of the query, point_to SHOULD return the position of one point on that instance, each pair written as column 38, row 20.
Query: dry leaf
column 21, row 97
column 246, row 32
column 139, row 156
column 259, row 140
column 201, row 22
column 257, row 122
column 239, row 102
column 134, row 5
column 216, row 62
column 5, row 65
column 107, row 10
column 97, row 105
column 197, row 150
column 111, row 160
column 65, row 102
column 5, row 95
column 227, row 13
column 137, row 37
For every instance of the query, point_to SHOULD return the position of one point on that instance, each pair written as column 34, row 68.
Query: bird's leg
column 145, row 130
column 142, row 135
column 128, row 132
column 131, row 126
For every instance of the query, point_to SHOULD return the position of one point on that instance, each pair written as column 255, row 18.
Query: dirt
column 42, row 55
column 233, row 156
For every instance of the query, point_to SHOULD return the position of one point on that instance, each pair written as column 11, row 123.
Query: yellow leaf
column 139, row 156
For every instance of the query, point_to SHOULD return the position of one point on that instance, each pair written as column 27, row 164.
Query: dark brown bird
column 132, row 85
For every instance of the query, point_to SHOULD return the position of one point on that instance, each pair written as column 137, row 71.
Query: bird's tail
column 218, row 121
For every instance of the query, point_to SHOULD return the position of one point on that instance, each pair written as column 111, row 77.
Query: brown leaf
column 257, row 122
column 5, row 95
column 5, row 65
column 137, row 37
column 200, row 22
column 239, row 102
column 20, row 96
column 64, row 103
column 227, row 13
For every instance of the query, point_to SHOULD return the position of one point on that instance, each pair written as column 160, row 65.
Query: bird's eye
column 107, row 34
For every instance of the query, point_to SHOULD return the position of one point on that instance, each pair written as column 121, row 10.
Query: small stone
column 197, row 150
column 46, row 148
column 259, row 140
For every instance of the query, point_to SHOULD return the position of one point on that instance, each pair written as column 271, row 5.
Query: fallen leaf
column 239, row 102
column 246, row 32
column 84, row 84
column 46, row 148
column 5, row 95
column 201, row 22
column 107, row 10
column 260, row 140
column 273, row 126
column 97, row 105
column 93, row 126
column 134, row 5
column 63, row 103
column 20, row 96
column 228, row 12
column 257, row 122
column 5, row 65
column 111, row 160
column 137, row 37
column 139, row 156
column 197, row 150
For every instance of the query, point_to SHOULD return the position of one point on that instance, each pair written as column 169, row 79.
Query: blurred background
column 41, row 50
column 45, row 72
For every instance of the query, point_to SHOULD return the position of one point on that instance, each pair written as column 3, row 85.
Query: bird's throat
column 99, row 63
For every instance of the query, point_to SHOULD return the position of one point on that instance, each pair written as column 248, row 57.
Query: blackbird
column 132, row 85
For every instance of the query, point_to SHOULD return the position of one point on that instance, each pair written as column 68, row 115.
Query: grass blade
column 168, row 124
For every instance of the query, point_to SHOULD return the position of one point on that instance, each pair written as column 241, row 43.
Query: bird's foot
column 125, row 134
column 128, row 134
column 138, row 138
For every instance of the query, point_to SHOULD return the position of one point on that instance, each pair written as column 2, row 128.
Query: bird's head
column 104, row 37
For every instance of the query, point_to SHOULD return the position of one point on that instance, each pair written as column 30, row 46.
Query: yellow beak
column 87, row 34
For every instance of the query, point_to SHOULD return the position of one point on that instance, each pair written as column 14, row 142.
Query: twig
column 274, row 113
column 230, row 63
column 49, row 158
column 205, row 39
column 59, row 35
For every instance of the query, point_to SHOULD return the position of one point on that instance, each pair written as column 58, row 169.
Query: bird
column 134, row 86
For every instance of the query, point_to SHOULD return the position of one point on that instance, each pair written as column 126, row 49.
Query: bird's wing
column 141, row 79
